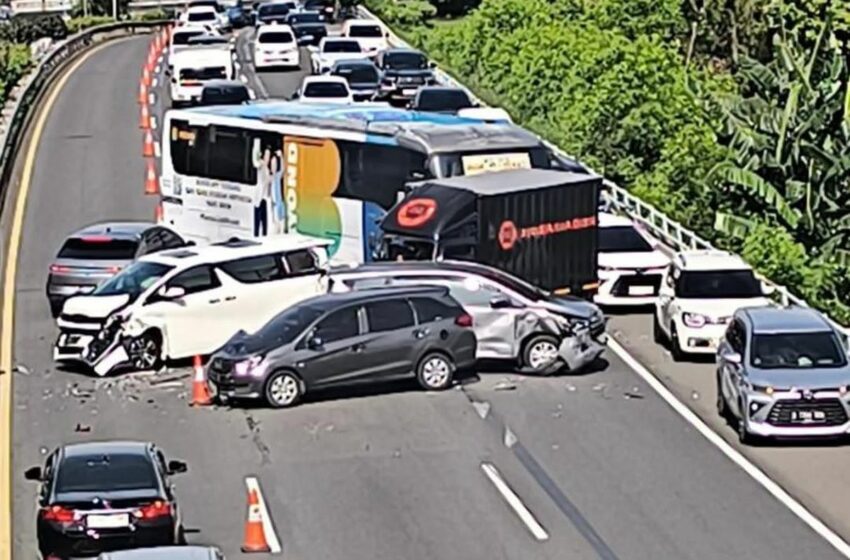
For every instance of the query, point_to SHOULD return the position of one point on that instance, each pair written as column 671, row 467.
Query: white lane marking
column 158, row 69
column 268, row 527
column 154, row 83
column 153, row 122
column 156, row 151
column 244, row 78
column 492, row 473
column 151, row 99
column 251, row 93
column 733, row 454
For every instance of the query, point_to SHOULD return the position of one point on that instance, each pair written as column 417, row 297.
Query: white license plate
column 808, row 416
column 409, row 91
column 641, row 290
column 111, row 521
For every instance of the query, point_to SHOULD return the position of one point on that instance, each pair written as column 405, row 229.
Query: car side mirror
column 315, row 343
column 768, row 289
column 177, row 467
column 732, row 357
column 326, row 70
column 432, row 65
column 171, row 292
column 500, row 302
column 33, row 473
column 295, row 95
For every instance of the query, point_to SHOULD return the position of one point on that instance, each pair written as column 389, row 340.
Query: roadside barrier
column 151, row 179
column 201, row 394
column 255, row 535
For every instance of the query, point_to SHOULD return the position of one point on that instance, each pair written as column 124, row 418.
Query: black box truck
column 537, row 224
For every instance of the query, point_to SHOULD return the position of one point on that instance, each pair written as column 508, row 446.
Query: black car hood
column 424, row 73
column 244, row 344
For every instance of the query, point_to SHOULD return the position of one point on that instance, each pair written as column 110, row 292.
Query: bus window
column 377, row 172
column 215, row 152
column 451, row 164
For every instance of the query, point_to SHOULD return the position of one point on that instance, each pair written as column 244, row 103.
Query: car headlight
column 763, row 389
column 254, row 366
column 694, row 320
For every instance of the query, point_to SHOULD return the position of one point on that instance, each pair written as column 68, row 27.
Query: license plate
column 808, row 416
column 111, row 521
column 409, row 91
column 641, row 290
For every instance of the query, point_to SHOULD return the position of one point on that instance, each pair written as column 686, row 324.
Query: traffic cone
column 201, row 395
column 151, row 182
column 255, row 536
column 143, row 93
column 147, row 147
column 145, row 117
column 157, row 214
column 157, row 42
column 146, row 76
column 164, row 37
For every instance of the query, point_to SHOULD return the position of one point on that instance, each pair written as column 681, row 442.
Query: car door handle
column 421, row 333
column 215, row 300
column 230, row 298
column 358, row 347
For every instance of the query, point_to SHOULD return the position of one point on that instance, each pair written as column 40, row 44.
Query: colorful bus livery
column 324, row 170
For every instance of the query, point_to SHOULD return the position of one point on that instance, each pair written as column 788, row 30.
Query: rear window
column 202, row 16
column 99, row 249
column 622, row 239
column 225, row 95
column 365, row 31
column 431, row 309
column 183, row 38
column 203, row 73
column 276, row 37
column 325, row 89
column 359, row 74
column 342, row 47
column 275, row 10
column 443, row 100
column 105, row 473
column 305, row 18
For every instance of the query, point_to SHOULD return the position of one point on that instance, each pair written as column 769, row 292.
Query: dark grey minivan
column 351, row 338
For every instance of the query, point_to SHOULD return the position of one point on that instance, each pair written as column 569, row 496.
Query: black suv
column 404, row 71
column 365, row 336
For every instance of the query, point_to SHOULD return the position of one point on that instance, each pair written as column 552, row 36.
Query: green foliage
column 153, row 15
column 15, row 60
column 99, row 8
column 25, row 30
column 78, row 24
column 402, row 12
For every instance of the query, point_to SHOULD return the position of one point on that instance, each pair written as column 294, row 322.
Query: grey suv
column 358, row 337
column 783, row 372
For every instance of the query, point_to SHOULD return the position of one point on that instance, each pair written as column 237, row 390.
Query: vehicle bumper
column 581, row 349
column 771, row 415
column 80, row 543
column 226, row 386
column 624, row 288
column 405, row 91
column 703, row 340
column 186, row 95
column 284, row 59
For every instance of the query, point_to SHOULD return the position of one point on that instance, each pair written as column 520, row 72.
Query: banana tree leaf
column 758, row 187
column 733, row 226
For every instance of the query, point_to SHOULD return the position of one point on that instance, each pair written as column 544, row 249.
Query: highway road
column 602, row 466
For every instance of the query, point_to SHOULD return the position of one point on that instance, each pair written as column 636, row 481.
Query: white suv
column 275, row 45
column 699, row 293
column 189, row 301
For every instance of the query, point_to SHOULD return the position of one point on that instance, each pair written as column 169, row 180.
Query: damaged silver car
column 512, row 319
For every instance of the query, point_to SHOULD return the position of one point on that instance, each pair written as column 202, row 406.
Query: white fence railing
column 672, row 233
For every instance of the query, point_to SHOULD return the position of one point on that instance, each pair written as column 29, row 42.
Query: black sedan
column 362, row 76
column 367, row 336
column 102, row 496
column 403, row 72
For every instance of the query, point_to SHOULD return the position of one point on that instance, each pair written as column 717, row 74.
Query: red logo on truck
column 509, row 235
column 416, row 212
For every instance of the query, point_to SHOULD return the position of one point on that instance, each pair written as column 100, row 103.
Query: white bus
column 323, row 170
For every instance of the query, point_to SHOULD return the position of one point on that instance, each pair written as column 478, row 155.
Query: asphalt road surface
column 601, row 464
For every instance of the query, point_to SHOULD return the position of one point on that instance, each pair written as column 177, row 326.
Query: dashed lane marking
column 514, row 501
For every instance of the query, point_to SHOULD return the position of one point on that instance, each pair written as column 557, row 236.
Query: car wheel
column 675, row 346
column 540, row 353
column 722, row 408
column 146, row 351
column 283, row 389
column 744, row 436
column 657, row 333
column 435, row 371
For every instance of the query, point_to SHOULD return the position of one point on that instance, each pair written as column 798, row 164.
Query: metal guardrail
column 34, row 83
column 670, row 232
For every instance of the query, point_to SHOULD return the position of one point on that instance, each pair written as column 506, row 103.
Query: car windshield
column 285, row 327
column 99, row 249
column 718, row 284
column 341, row 47
column 325, row 89
column 365, row 31
column 305, row 18
column 276, row 37
column 203, row 73
column 358, row 74
column 622, row 239
column 443, row 100
column 406, row 61
column 804, row 350
column 275, row 10
column 133, row 280
column 105, row 473
column 202, row 16
column 183, row 38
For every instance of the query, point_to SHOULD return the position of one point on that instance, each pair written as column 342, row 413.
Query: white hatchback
column 324, row 89
column 275, row 45
column 369, row 33
column 190, row 301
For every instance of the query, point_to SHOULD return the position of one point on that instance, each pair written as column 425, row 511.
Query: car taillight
column 56, row 269
column 159, row 508
column 114, row 269
column 58, row 514
column 463, row 320
column 97, row 239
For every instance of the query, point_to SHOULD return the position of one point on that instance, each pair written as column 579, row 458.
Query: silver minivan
column 513, row 320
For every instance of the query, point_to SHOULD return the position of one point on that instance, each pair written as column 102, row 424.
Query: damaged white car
column 186, row 302
column 512, row 319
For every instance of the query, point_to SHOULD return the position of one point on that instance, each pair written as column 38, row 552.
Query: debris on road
column 632, row 395
column 571, row 388
column 21, row 369
column 504, row 386
column 169, row 381
column 82, row 428
column 695, row 395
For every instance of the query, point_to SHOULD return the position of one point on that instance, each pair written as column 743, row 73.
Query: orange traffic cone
column 143, row 93
column 145, row 117
column 157, row 42
column 201, row 395
column 164, row 37
column 147, row 147
column 146, row 76
column 157, row 214
column 151, row 182
column 255, row 536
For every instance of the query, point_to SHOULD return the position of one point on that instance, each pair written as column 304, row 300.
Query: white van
column 369, row 33
column 189, row 301
column 201, row 15
column 194, row 67
column 275, row 45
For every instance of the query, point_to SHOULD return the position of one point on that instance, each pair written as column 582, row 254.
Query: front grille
column 73, row 318
column 597, row 328
column 221, row 365
column 623, row 286
column 782, row 412
column 411, row 80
